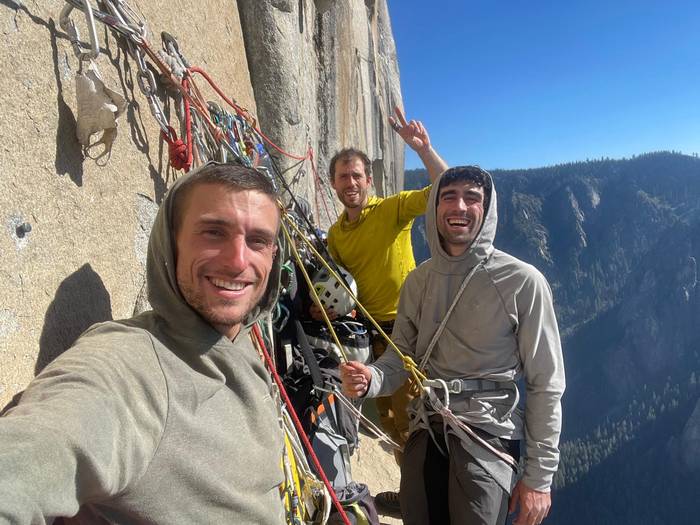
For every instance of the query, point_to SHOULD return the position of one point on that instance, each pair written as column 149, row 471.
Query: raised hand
column 413, row 133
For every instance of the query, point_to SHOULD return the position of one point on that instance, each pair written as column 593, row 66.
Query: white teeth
column 228, row 285
column 457, row 222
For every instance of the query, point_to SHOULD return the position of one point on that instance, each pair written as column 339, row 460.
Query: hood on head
column 161, row 278
column 482, row 246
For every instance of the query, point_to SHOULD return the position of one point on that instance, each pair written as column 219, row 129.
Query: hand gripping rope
column 352, row 408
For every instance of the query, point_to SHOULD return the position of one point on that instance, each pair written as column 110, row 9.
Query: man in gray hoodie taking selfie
column 475, row 320
column 167, row 417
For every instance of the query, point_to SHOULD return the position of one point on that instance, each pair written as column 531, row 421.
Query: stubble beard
column 352, row 205
column 208, row 312
column 461, row 242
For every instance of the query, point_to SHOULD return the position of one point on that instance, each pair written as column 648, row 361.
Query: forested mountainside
column 619, row 241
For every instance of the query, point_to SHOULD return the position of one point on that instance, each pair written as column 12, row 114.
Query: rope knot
column 408, row 363
column 177, row 149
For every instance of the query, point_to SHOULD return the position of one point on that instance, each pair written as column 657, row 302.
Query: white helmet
column 353, row 336
column 332, row 293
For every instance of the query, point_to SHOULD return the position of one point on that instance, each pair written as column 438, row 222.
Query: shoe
column 388, row 503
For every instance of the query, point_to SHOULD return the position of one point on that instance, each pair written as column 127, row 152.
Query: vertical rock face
column 79, row 259
column 73, row 232
column 325, row 75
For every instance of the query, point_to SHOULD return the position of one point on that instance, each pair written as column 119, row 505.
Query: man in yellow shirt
column 372, row 240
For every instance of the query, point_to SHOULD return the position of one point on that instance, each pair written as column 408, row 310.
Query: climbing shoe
column 388, row 503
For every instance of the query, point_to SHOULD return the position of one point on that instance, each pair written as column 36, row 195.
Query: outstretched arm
column 416, row 136
column 85, row 428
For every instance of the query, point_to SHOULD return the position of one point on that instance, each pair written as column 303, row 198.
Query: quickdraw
column 71, row 29
column 208, row 130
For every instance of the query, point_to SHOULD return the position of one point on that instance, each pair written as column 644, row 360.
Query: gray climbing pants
column 454, row 489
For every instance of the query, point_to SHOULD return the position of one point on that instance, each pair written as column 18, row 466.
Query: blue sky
column 520, row 84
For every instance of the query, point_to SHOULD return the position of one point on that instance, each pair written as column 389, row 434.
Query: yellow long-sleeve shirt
column 376, row 248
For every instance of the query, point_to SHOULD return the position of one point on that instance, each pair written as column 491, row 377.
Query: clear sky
column 528, row 83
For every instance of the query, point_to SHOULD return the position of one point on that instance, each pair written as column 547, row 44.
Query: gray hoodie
column 155, row 419
column 503, row 328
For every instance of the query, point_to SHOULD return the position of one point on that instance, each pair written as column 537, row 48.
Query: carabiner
column 72, row 30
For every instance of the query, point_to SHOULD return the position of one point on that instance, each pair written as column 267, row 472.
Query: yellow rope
column 408, row 363
column 312, row 290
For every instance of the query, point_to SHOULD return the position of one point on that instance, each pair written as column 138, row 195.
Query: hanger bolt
column 23, row 229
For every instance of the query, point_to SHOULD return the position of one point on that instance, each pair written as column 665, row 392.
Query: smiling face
column 225, row 249
column 459, row 215
column 351, row 183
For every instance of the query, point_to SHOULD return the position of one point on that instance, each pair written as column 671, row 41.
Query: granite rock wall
column 337, row 61
column 74, row 231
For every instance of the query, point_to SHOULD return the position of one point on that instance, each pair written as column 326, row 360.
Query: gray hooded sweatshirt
column 155, row 419
column 502, row 328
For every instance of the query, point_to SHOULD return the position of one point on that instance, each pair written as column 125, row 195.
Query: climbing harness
column 418, row 372
column 501, row 390
column 353, row 335
column 454, row 423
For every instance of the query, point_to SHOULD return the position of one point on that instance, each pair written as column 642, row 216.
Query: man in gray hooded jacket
column 476, row 320
column 166, row 417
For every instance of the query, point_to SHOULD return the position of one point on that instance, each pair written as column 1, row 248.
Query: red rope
column 244, row 113
column 317, row 180
column 298, row 425
column 177, row 150
column 196, row 101
column 181, row 153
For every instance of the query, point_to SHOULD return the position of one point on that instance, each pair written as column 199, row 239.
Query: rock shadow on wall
column 81, row 301
column 69, row 155
column 120, row 58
